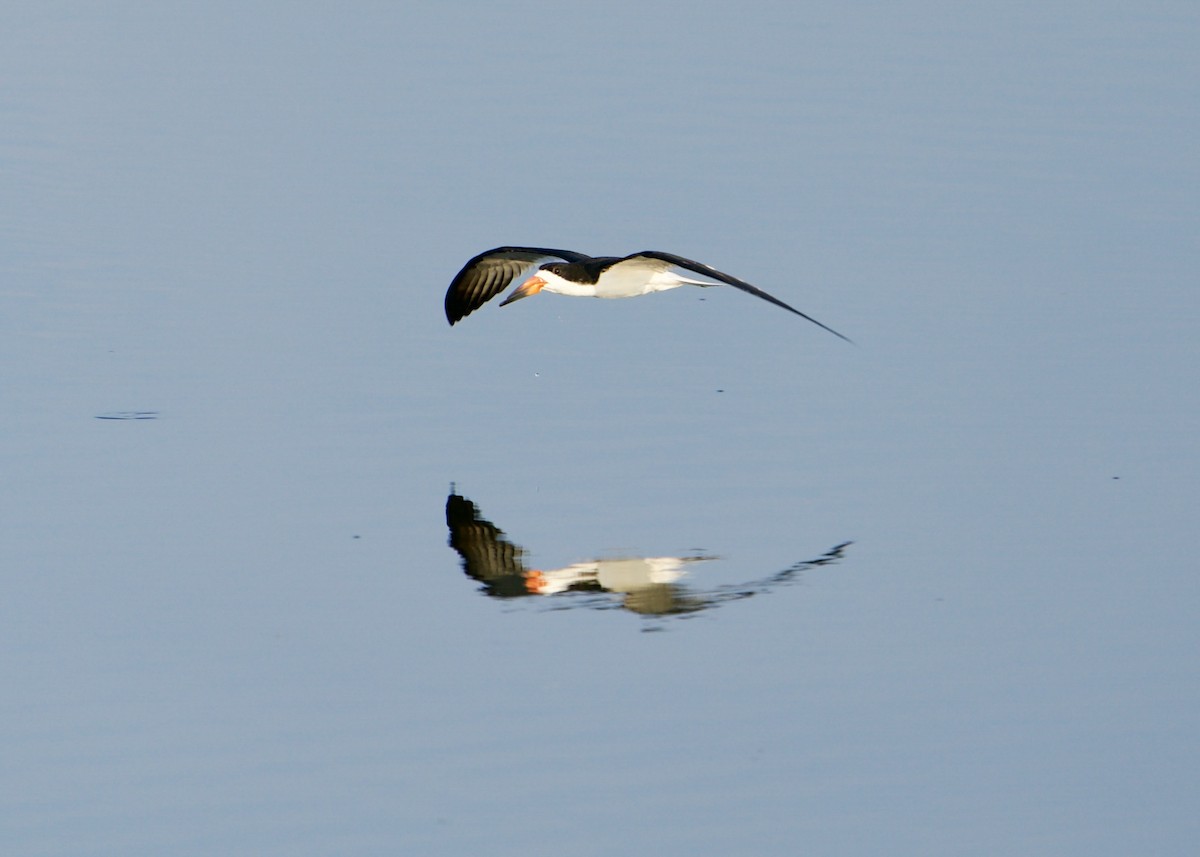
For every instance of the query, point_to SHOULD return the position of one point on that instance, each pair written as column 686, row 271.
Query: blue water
column 234, row 414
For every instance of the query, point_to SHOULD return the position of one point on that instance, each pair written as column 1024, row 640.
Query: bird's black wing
column 486, row 554
column 490, row 273
column 709, row 271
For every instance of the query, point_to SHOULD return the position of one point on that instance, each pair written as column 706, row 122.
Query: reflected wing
column 711, row 272
column 490, row 273
column 486, row 554
column 790, row 574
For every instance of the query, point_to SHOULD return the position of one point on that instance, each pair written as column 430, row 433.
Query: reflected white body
column 615, row 575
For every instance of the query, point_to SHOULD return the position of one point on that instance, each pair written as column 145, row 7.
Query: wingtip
column 819, row 324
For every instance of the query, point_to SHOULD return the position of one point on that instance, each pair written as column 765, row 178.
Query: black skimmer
column 577, row 275
column 648, row 585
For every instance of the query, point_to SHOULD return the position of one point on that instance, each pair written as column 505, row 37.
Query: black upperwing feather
column 490, row 273
column 486, row 552
column 709, row 271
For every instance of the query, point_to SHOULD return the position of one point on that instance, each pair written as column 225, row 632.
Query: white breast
column 628, row 280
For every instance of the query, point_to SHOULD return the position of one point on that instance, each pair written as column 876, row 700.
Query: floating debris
column 128, row 415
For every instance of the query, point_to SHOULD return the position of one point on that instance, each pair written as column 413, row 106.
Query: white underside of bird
column 620, row 281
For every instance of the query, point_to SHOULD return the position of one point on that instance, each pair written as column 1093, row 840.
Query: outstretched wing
column 712, row 273
column 490, row 273
column 487, row 555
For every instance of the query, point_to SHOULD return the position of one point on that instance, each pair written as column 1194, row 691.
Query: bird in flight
column 565, row 272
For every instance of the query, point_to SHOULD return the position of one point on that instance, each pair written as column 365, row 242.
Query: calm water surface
column 293, row 567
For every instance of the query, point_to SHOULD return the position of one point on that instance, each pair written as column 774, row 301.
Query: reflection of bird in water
column 647, row 585
column 496, row 562
column 577, row 275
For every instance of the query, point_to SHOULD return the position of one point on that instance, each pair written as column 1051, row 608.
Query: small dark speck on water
column 720, row 391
